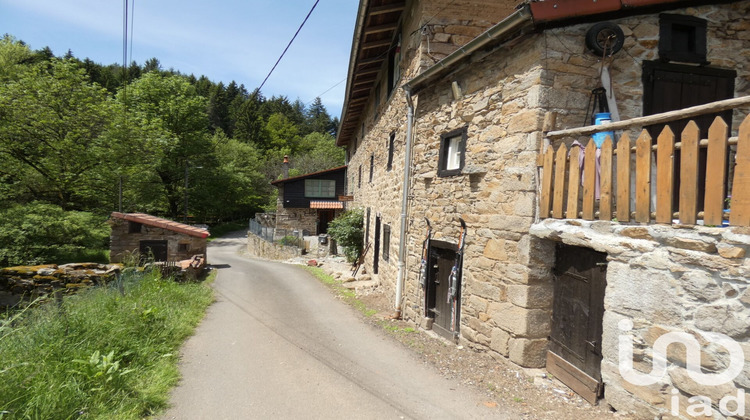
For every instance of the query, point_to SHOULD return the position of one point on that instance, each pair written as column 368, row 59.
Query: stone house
column 307, row 203
column 165, row 239
column 449, row 108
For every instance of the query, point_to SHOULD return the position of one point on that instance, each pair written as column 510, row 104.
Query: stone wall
column 123, row 243
column 665, row 279
column 505, row 93
column 259, row 247
column 503, row 289
column 17, row 283
column 303, row 220
column 571, row 72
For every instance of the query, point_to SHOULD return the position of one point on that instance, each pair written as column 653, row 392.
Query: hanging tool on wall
column 455, row 277
column 423, row 267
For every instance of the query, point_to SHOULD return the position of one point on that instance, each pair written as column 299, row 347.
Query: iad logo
column 693, row 366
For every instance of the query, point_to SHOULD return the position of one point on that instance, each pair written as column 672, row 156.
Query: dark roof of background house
column 310, row 175
column 154, row 221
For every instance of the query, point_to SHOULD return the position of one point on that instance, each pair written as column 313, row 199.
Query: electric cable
column 288, row 45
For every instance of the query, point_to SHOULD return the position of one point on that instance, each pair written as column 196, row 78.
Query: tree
column 15, row 57
column 317, row 119
column 51, row 130
column 38, row 233
column 176, row 130
column 318, row 152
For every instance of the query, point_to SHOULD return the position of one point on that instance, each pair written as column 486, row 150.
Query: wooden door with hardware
column 575, row 352
column 442, row 257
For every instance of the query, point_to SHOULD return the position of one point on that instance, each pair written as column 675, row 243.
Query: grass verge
column 347, row 295
column 101, row 354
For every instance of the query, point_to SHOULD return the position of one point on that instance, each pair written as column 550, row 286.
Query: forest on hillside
column 79, row 140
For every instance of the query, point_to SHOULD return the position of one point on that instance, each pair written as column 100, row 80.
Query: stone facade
column 303, row 220
column 180, row 246
column 502, row 98
column 662, row 279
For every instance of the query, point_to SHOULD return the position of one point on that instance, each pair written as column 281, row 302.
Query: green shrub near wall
column 347, row 230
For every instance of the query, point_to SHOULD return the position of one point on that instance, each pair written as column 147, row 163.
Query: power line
column 327, row 90
column 288, row 45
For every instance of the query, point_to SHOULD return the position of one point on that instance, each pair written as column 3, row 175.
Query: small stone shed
column 165, row 239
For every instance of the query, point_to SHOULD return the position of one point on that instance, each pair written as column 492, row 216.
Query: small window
column 377, row 99
column 682, row 38
column 359, row 177
column 391, row 142
column 367, row 227
column 183, row 247
column 386, row 242
column 134, row 227
column 320, row 188
column 452, row 148
column 394, row 65
column 372, row 166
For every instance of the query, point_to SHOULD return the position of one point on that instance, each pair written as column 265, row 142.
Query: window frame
column 391, row 147
column 668, row 22
column 330, row 184
column 372, row 166
column 386, row 253
column 443, row 156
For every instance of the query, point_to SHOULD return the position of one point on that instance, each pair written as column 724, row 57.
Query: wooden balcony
column 640, row 179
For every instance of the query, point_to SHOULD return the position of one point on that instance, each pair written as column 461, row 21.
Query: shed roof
column 310, row 175
column 154, row 221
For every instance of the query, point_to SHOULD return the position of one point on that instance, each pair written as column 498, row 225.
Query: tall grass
column 102, row 354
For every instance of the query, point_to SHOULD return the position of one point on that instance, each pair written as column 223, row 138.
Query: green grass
column 224, row 228
column 101, row 354
column 347, row 295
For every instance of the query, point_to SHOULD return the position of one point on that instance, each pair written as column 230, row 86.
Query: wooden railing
column 568, row 192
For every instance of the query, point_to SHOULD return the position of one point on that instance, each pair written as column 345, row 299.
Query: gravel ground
column 531, row 392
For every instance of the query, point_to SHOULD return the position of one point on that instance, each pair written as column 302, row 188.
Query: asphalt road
column 278, row 345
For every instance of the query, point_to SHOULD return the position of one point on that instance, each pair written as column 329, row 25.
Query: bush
column 45, row 233
column 348, row 233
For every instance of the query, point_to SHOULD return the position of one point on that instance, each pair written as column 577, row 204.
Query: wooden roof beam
column 380, row 28
column 375, row 44
column 387, row 8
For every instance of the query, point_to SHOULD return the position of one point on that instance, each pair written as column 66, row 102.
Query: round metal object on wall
column 604, row 39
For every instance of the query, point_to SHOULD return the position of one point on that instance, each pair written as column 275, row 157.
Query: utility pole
column 186, row 191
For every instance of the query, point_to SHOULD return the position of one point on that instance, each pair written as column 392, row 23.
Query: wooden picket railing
column 567, row 192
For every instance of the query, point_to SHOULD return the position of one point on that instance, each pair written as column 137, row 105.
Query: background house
column 307, row 203
column 165, row 239
column 445, row 111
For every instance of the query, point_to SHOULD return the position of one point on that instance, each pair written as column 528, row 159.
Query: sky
column 224, row 40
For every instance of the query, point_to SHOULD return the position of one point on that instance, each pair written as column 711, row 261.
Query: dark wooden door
column 440, row 263
column 376, row 253
column 576, row 338
column 158, row 249
column 324, row 218
column 669, row 87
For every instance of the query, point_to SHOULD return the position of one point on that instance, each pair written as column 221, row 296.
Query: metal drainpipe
column 404, row 204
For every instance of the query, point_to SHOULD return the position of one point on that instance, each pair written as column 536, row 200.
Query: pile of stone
column 32, row 281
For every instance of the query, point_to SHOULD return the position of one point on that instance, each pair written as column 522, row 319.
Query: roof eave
column 519, row 20
column 361, row 16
